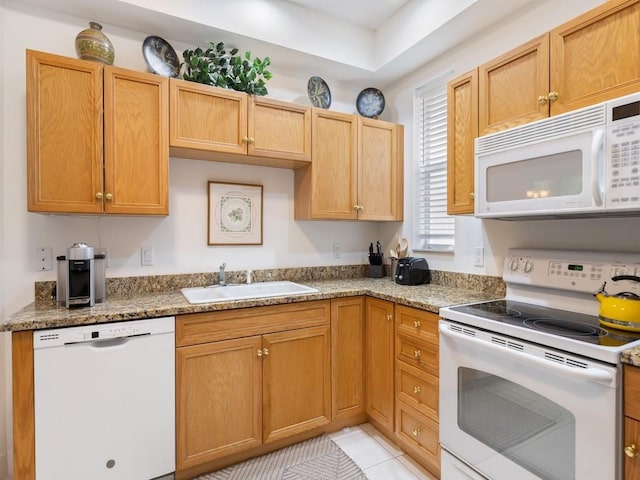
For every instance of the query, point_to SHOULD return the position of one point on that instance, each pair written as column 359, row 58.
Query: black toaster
column 412, row 271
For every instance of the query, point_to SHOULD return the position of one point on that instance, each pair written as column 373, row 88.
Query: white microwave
column 582, row 163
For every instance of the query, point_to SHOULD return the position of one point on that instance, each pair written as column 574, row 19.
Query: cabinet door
column 380, row 172
column 206, row 118
column 347, row 356
column 218, row 400
column 462, row 130
column 596, row 56
column 631, row 440
column 296, row 381
column 510, row 87
column 136, row 142
column 64, row 139
column 279, row 129
column 328, row 188
column 379, row 361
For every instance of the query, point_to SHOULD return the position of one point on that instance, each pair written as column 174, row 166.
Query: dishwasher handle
column 106, row 342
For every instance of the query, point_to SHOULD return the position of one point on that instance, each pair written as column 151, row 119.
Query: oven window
column 530, row 430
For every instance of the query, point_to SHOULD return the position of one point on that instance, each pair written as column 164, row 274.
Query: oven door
column 514, row 410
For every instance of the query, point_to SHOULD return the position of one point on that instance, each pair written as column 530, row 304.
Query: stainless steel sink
column 226, row 293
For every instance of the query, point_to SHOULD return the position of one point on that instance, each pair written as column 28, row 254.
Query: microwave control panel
column 575, row 271
column 623, row 154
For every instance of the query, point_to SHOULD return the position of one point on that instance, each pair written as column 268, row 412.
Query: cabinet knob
column 259, row 353
column 358, row 207
column 109, row 196
column 416, row 389
column 417, row 353
column 266, row 351
column 542, row 100
column 99, row 195
column 553, row 96
column 472, row 195
column 389, row 317
column 416, row 431
column 252, row 140
column 245, row 139
column 416, row 323
column 631, row 451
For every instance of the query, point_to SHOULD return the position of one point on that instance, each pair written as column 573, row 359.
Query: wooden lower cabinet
column 416, row 369
column 631, row 422
column 379, row 362
column 347, row 357
column 236, row 394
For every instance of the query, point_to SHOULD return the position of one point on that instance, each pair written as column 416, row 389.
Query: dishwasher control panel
column 93, row 333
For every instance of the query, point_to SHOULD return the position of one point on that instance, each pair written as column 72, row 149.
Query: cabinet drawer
column 244, row 322
column 632, row 391
column 417, row 323
column 418, row 354
column 418, row 389
column 418, row 432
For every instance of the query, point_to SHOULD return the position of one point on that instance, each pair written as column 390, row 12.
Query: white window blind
column 434, row 229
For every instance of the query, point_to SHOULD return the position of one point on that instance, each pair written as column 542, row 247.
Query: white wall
column 494, row 235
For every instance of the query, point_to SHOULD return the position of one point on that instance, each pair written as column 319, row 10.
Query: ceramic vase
column 92, row 44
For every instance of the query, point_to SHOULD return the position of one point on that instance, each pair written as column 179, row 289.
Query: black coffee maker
column 81, row 279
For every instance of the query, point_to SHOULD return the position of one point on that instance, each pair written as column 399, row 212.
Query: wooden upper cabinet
column 136, row 142
column 596, row 56
column 380, row 170
column 211, row 123
column 84, row 119
column 510, row 87
column 64, row 134
column 593, row 58
column 328, row 188
column 356, row 171
column 462, row 129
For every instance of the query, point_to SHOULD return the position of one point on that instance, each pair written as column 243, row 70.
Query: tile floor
column 376, row 456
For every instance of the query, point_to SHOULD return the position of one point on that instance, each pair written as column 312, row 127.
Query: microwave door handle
column 593, row 374
column 597, row 166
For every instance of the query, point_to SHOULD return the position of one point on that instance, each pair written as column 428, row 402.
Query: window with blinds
column 433, row 228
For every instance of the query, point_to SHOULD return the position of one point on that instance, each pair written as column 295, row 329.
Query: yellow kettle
column 621, row 310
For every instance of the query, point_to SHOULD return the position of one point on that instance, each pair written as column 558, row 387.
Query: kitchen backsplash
column 128, row 286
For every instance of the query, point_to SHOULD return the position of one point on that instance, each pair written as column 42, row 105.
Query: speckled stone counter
column 631, row 356
column 165, row 299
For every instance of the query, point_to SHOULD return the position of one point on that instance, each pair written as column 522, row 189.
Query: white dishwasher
column 105, row 401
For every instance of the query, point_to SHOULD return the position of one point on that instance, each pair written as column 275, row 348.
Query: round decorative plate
column 161, row 58
column 370, row 102
column 318, row 92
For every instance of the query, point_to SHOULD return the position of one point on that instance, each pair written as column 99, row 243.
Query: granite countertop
column 631, row 356
column 119, row 307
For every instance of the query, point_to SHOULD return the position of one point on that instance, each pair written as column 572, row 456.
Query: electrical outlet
column 337, row 250
column 42, row 259
column 478, row 257
column 146, row 254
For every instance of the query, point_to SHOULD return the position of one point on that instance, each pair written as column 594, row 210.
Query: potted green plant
column 215, row 66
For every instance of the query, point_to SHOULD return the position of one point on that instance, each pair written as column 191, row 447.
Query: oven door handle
column 590, row 373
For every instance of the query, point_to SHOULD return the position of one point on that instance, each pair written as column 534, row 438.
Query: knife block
column 376, row 271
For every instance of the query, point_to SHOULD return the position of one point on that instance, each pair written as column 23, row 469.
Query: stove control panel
column 569, row 270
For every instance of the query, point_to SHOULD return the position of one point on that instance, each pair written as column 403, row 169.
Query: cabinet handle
column 99, row 195
column 416, row 389
column 109, row 196
column 631, row 451
column 553, row 96
column 266, row 351
column 259, row 353
column 416, row 431
column 542, row 100
column 417, row 353
column 416, row 323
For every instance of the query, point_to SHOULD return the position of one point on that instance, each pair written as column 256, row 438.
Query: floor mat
column 316, row 459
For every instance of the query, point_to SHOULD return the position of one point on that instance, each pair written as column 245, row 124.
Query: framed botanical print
column 235, row 214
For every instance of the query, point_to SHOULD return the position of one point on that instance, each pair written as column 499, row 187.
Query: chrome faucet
column 222, row 276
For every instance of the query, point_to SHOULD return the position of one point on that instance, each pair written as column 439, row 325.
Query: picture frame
column 234, row 214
